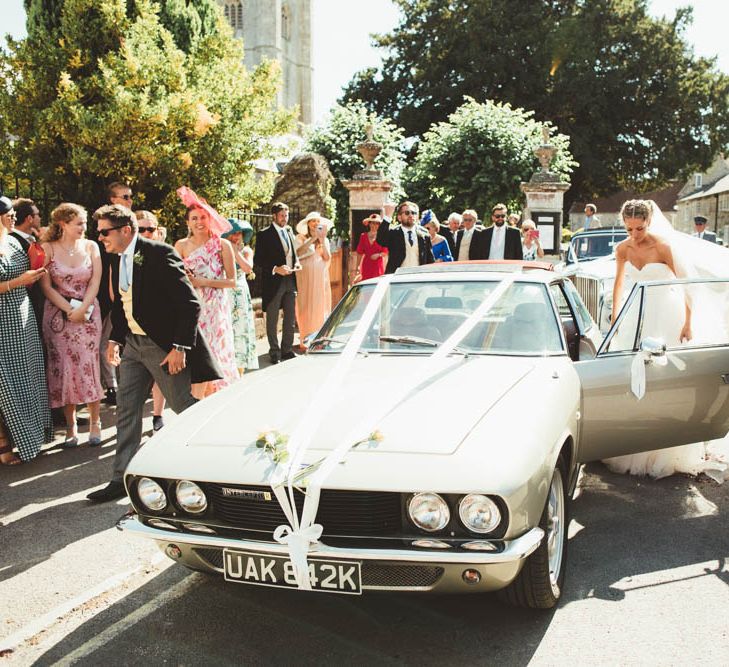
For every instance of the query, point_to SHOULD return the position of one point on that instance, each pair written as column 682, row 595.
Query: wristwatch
column 179, row 348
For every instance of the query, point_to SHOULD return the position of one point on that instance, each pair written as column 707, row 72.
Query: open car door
column 686, row 395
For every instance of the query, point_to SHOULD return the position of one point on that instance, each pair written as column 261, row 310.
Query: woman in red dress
column 371, row 255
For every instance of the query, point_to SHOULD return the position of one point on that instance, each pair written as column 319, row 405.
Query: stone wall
column 305, row 184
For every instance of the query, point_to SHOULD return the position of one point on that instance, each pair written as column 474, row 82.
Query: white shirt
column 498, row 241
column 412, row 256
column 28, row 237
column 283, row 236
column 463, row 249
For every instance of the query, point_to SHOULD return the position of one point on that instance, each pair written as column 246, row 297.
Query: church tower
column 278, row 30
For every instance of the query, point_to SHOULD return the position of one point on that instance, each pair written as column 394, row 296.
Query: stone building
column 706, row 194
column 278, row 30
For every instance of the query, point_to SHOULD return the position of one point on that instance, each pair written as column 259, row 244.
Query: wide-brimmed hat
column 240, row 226
column 5, row 205
column 302, row 226
column 377, row 219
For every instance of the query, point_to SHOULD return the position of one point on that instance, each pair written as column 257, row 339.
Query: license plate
column 326, row 576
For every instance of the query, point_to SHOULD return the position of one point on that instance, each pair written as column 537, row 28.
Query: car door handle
column 725, row 378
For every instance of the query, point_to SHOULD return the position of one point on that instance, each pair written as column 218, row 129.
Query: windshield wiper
column 419, row 342
column 326, row 339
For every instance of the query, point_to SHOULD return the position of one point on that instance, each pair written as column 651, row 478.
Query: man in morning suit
column 277, row 259
column 699, row 223
column 155, row 319
column 470, row 241
column 408, row 244
column 450, row 230
column 27, row 232
column 500, row 240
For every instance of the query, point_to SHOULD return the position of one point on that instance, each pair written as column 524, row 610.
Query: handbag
column 36, row 255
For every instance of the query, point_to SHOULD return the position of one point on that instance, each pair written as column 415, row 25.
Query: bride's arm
column 618, row 285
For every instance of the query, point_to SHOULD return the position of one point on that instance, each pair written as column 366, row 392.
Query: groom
column 155, row 320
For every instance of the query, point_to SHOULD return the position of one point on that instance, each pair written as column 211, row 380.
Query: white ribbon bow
column 637, row 371
column 298, row 542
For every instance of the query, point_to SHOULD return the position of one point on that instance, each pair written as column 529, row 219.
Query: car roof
column 529, row 271
column 600, row 231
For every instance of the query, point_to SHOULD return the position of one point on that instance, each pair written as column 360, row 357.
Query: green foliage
column 189, row 20
column 639, row 107
column 336, row 140
column 112, row 97
column 479, row 157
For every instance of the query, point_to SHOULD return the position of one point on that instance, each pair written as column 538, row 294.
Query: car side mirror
column 655, row 347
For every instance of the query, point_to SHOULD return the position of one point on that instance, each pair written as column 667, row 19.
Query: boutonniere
column 138, row 259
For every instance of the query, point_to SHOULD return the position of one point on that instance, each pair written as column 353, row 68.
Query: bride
column 654, row 251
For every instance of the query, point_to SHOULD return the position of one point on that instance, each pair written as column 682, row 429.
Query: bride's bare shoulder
column 621, row 249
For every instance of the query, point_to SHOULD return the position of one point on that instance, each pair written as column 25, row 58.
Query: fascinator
column 218, row 224
column 240, row 226
column 429, row 216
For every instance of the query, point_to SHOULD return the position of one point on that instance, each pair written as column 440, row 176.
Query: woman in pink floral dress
column 210, row 265
column 71, row 320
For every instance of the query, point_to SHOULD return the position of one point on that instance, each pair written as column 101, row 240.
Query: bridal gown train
column 664, row 317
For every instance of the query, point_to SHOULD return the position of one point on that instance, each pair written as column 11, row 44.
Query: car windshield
column 598, row 245
column 416, row 317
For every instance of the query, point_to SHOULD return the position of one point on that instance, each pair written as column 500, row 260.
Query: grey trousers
column 140, row 367
column 285, row 298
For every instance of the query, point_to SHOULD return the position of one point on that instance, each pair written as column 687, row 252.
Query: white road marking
column 113, row 631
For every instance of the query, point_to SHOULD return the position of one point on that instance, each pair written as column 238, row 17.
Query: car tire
column 539, row 584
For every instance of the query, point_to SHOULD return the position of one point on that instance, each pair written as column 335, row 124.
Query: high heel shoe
column 95, row 434
column 71, row 440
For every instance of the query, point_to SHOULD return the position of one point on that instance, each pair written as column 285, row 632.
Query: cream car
column 469, row 488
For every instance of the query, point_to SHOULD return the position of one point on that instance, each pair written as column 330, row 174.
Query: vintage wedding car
column 478, row 390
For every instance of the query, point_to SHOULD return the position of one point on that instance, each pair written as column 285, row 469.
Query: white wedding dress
column 664, row 317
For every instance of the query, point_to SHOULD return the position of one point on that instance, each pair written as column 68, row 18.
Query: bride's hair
column 637, row 208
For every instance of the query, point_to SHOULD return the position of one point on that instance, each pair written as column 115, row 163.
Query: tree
column 479, row 157
column 639, row 107
column 130, row 105
column 336, row 140
column 189, row 21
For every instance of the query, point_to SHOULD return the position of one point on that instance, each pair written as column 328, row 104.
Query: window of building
column 233, row 12
column 286, row 22
column 698, row 180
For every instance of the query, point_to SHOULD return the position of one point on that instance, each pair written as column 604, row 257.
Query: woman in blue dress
column 441, row 251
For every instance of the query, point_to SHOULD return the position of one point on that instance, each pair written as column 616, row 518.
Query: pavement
column 647, row 584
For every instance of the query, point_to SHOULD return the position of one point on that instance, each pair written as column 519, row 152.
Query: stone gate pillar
column 545, row 198
column 368, row 192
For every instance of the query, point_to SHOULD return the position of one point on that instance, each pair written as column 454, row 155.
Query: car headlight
column 479, row 513
column 429, row 511
column 151, row 494
column 191, row 497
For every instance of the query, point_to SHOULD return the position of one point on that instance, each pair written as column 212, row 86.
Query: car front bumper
column 416, row 569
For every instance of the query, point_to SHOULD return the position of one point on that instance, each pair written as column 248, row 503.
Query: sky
column 342, row 29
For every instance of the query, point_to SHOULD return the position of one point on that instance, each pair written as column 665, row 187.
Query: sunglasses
column 499, row 217
column 105, row 232
column 147, row 230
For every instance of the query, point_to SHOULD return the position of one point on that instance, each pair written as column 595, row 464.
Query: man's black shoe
column 112, row 491
column 157, row 422
column 110, row 397
column 287, row 355
column 274, row 358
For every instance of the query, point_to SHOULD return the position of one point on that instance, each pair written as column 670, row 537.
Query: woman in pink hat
column 314, row 292
column 210, row 265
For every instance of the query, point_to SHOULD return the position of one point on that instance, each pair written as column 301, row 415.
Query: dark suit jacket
column 270, row 253
column 394, row 240
column 109, row 271
column 447, row 234
column 165, row 305
column 708, row 236
column 478, row 248
column 512, row 243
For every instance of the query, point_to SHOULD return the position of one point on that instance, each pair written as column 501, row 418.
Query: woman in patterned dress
column 210, row 265
column 72, row 330
column 25, row 420
column 244, row 328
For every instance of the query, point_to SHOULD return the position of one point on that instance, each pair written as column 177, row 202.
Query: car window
column 583, row 315
column 623, row 338
column 522, row 321
column 594, row 246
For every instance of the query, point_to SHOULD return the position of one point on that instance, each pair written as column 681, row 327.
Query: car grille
column 353, row 513
column 589, row 289
column 374, row 575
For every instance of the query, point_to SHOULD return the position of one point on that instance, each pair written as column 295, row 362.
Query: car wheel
column 539, row 584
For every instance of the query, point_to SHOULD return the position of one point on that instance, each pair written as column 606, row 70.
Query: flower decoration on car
column 274, row 443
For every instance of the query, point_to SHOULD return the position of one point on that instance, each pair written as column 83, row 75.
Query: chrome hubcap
column 555, row 527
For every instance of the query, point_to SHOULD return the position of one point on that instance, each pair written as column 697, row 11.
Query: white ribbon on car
column 302, row 531
column 637, row 370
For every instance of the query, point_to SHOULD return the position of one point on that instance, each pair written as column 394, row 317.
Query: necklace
column 70, row 253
